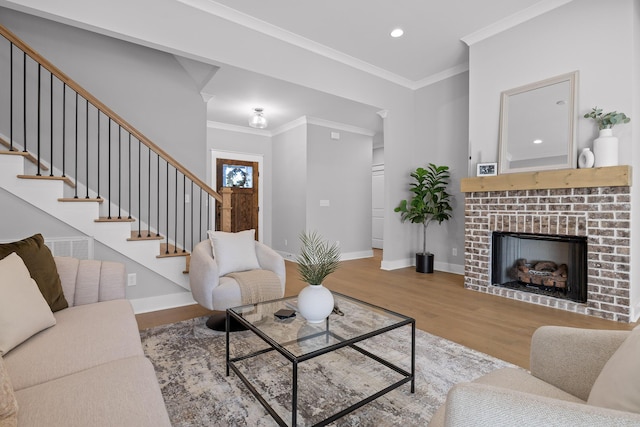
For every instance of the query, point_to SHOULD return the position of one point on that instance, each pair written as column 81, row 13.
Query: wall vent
column 77, row 247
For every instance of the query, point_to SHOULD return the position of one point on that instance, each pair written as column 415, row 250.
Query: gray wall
column 340, row 171
column 442, row 117
column 289, row 189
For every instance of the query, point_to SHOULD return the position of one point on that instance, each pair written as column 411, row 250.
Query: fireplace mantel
column 611, row 176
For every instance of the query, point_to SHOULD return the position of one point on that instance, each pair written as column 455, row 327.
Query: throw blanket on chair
column 257, row 285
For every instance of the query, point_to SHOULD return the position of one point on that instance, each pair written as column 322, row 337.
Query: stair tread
column 66, row 179
column 114, row 219
column 172, row 251
column 143, row 236
column 30, row 157
column 81, row 199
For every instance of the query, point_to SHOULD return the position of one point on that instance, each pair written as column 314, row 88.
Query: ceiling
column 355, row 32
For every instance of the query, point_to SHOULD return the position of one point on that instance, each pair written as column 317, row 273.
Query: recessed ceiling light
column 537, row 141
column 397, row 32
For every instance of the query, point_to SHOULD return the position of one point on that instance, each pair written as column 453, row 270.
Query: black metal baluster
column 167, row 210
column 86, row 132
column 139, row 188
column 98, row 156
column 200, row 219
column 109, row 173
column 192, row 202
column 64, row 127
column 129, row 176
column 75, row 196
column 24, row 101
column 119, row 171
column 208, row 211
column 158, row 196
column 38, row 118
column 11, row 97
column 51, row 121
column 175, row 215
column 149, row 195
column 184, row 214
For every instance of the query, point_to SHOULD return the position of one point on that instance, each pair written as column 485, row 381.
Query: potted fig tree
column 430, row 202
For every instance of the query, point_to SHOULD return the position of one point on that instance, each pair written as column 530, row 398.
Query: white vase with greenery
column 316, row 261
column 605, row 147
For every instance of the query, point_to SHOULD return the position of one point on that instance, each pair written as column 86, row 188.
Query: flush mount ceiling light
column 537, row 141
column 397, row 32
column 257, row 120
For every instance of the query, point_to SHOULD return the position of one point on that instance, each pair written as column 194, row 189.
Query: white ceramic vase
column 605, row 149
column 586, row 159
column 315, row 303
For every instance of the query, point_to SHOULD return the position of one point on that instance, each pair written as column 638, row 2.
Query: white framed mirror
column 537, row 125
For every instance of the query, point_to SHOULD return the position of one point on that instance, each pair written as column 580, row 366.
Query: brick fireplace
column 599, row 209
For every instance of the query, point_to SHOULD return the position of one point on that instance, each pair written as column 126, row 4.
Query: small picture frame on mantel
column 487, row 169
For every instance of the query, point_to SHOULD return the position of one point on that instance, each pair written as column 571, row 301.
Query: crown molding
column 443, row 75
column 340, row 126
column 513, row 20
column 235, row 128
column 304, row 120
column 240, row 18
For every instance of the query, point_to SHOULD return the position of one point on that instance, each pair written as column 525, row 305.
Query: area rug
column 189, row 360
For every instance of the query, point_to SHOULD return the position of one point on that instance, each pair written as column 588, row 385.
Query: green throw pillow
column 39, row 261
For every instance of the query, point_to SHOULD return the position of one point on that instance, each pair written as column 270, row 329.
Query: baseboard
column 397, row 264
column 161, row 302
column 343, row 257
column 635, row 313
column 411, row 262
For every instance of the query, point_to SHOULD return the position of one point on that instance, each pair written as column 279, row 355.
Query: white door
column 377, row 208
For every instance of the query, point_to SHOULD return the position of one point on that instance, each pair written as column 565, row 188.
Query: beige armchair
column 565, row 363
column 216, row 292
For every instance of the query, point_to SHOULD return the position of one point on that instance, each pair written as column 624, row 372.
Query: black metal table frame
column 295, row 360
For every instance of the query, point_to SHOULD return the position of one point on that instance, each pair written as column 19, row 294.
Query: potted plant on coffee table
column 316, row 261
column 430, row 202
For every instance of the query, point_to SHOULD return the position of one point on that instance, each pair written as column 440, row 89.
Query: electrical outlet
column 337, row 242
column 285, row 242
column 187, row 199
column 454, row 251
column 131, row 279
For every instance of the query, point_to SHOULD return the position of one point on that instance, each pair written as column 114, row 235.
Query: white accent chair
column 218, row 293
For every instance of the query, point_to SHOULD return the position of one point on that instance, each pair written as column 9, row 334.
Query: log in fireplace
column 552, row 265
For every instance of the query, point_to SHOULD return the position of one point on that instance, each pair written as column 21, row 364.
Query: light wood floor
column 441, row 306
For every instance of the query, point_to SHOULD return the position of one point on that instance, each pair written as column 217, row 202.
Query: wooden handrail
column 106, row 110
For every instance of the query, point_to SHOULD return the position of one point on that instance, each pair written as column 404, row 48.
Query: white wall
column 600, row 41
column 339, row 171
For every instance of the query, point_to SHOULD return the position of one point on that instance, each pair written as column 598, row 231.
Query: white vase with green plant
column 605, row 147
column 316, row 261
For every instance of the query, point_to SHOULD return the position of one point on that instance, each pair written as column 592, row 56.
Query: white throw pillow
column 618, row 385
column 234, row 251
column 23, row 310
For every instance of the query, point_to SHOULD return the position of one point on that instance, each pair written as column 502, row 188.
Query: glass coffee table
column 344, row 335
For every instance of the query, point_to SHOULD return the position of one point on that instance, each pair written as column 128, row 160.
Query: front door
column 242, row 176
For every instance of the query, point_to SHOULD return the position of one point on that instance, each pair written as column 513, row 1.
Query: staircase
column 69, row 155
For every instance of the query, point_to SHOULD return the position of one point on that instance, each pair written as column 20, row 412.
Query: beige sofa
column 565, row 364
column 88, row 369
